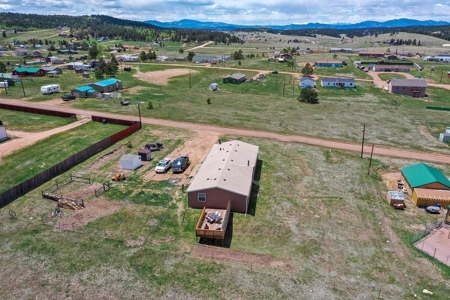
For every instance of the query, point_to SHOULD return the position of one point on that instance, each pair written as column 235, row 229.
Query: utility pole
column 139, row 109
column 190, row 79
column 23, row 89
column 4, row 85
column 441, row 76
column 362, row 144
column 284, row 84
column 370, row 162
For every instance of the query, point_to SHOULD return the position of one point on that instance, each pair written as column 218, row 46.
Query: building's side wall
column 218, row 198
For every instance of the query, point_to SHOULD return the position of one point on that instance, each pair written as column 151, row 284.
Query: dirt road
column 330, row 144
column 201, row 46
column 382, row 83
column 28, row 138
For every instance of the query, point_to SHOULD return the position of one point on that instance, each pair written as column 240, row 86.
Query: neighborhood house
column 307, row 81
column 392, row 68
column 338, row 82
column 410, row 87
column 225, row 176
column 329, row 63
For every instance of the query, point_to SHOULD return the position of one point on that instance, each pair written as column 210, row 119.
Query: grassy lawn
column 323, row 216
column 390, row 76
column 16, row 120
column 27, row 162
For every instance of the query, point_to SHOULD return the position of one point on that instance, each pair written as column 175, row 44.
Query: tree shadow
column 218, row 242
column 255, row 188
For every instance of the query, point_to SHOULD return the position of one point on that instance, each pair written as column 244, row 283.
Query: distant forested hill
column 104, row 26
column 442, row 32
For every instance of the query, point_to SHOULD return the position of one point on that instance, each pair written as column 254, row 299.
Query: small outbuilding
column 130, row 162
column 236, row 78
column 394, row 197
column 307, row 81
column 213, row 87
column 3, row 135
column 145, row 154
column 444, row 137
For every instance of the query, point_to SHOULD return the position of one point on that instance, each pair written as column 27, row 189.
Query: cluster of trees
column 238, row 55
column 108, row 69
column 151, row 55
column 96, row 26
column 403, row 42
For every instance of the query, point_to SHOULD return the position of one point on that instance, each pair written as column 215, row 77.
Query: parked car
column 163, row 166
column 275, row 72
column 68, row 97
column 432, row 209
column 399, row 205
column 180, row 164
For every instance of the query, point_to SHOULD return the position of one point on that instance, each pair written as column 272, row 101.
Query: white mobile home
column 50, row 89
column 338, row 82
column 130, row 58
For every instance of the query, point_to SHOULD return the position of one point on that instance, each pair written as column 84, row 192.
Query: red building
column 33, row 72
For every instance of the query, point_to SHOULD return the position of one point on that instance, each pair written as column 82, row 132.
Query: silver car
column 163, row 166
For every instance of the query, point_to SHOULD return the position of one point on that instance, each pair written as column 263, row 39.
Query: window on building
column 201, row 197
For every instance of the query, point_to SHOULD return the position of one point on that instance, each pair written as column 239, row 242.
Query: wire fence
column 418, row 235
column 434, row 252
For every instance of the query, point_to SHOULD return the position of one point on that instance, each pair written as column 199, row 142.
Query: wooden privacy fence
column 37, row 180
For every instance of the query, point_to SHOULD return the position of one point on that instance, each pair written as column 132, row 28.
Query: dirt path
column 314, row 141
column 196, row 148
column 222, row 254
column 201, row 46
column 28, row 138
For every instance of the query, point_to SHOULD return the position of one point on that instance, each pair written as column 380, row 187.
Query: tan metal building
column 427, row 197
column 225, row 176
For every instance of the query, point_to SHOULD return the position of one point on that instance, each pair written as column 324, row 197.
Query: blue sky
column 243, row 12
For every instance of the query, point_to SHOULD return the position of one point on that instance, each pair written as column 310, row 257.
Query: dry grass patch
column 162, row 77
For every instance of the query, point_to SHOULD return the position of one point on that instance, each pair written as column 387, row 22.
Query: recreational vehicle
column 50, row 89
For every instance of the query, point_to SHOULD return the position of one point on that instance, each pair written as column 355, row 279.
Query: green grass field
column 390, row 76
column 29, row 122
column 322, row 216
column 33, row 159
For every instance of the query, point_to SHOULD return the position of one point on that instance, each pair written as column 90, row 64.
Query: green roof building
column 424, row 176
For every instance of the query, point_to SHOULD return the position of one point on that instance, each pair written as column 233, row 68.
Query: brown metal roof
column 228, row 166
column 441, row 195
column 408, row 82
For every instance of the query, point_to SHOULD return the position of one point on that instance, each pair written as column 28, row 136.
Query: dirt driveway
column 201, row 46
column 196, row 148
column 162, row 77
column 28, row 138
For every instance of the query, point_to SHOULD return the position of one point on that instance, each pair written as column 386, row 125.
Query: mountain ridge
column 193, row 24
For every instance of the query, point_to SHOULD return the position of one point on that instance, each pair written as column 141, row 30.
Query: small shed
column 236, row 78
column 213, row 87
column 130, row 162
column 444, row 137
column 394, row 197
column 145, row 154
column 3, row 135
column 307, row 81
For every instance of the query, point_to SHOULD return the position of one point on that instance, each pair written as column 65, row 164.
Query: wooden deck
column 214, row 230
